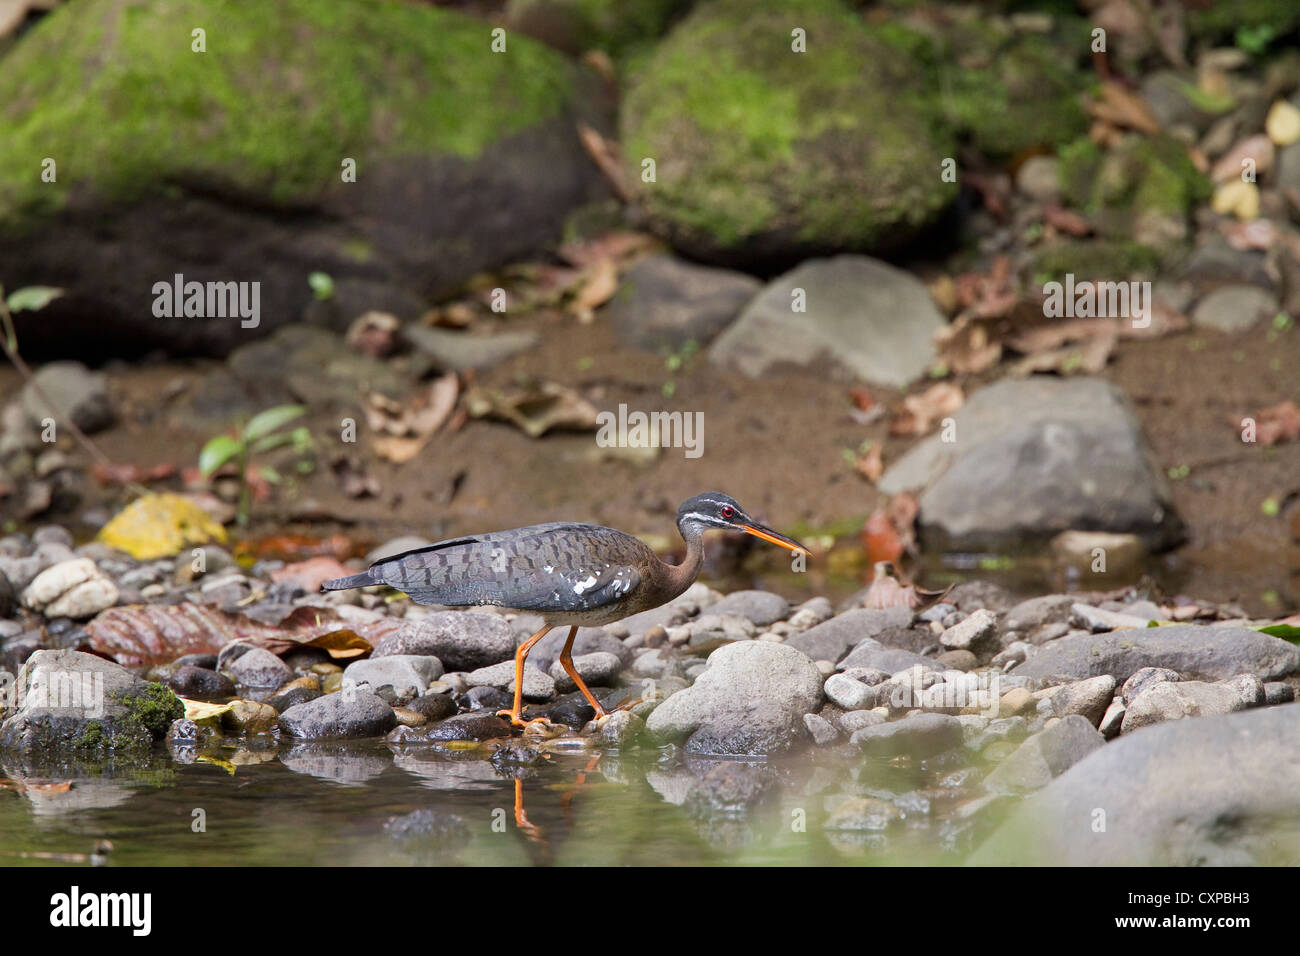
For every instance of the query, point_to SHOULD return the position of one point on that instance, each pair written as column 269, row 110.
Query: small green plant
column 674, row 362
column 1179, row 472
column 1255, row 39
column 322, row 286
column 262, row 433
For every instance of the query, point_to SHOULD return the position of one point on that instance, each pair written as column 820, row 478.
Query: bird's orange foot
column 517, row 721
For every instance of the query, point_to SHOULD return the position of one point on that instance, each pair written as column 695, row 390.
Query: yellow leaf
column 225, row 765
column 159, row 526
column 202, row 710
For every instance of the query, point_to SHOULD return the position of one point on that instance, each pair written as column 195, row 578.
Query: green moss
column 111, row 90
column 155, row 707
column 1142, row 174
column 91, row 737
column 619, row 27
column 1095, row 259
column 833, row 147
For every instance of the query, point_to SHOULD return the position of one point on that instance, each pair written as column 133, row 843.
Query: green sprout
column 261, row 434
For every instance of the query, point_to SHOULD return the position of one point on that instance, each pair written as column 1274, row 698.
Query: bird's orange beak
column 767, row 534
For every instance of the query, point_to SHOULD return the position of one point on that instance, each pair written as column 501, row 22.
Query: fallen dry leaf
column 1258, row 148
column 605, row 154
column 1066, row 220
column 403, row 429
column 921, row 411
column 376, row 334
column 1275, row 424
column 597, row 288
column 535, row 409
column 1122, row 107
column 871, row 465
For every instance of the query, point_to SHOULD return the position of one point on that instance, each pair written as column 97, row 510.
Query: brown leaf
column 965, row 347
column 919, row 412
column 534, row 409
column 1276, row 424
column 871, row 465
column 1258, row 148
column 1120, row 106
column 403, row 429
column 116, row 474
column 1041, row 338
column 310, row 574
column 1066, row 220
column 376, row 334
column 597, row 288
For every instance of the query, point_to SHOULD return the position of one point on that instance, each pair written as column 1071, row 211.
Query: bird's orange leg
column 566, row 661
column 520, row 654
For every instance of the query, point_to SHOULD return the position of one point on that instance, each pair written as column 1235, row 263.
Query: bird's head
column 713, row 509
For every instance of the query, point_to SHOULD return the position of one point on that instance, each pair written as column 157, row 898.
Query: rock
column 761, row 608
column 709, row 630
column 1099, row 620
column 1168, row 700
column 1035, row 612
column 960, row 660
column 1277, row 692
column 750, row 700
column 462, row 640
column 1234, row 308
column 1219, row 791
column 351, row 712
column 297, row 691
column 870, row 653
column 247, row 718
column 863, row 320
column 598, row 670
column 777, row 190
column 1088, row 698
column 482, row 169
column 460, row 350
column 855, row 720
column 919, row 736
column 408, row 675
column 1018, row 700
column 1113, row 719
column 75, row 589
column 1208, row 651
column 1063, row 454
column 1045, row 756
column 978, row 634
column 822, row 731
column 665, row 302
column 537, row 684
column 199, row 682
column 621, row 729
column 468, row 727
column 433, row 707
column 75, row 391
column 257, row 667
column 1143, row 678
column 848, row 693
column 589, row 640
column 830, row 640
column 69, row 702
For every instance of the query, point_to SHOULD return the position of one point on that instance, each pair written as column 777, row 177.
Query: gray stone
column 462, row 640
column 921, row 735
column 709, row 630
column 1087, row 698
column 589, row 640
column 195, row 682
column 353, row 712
column 865, row 320
column 1113, row 720
column 1037, row 611
column 664, row 302
column 870, row 653
column 538, row 685
column 830, row 640
column 408, row 675
column 1207, row 651
column 597, row 669
column 1278, row 692
column 1174, row 701
column 75, row 391
column 1143, row 678
column 759, row 607
column 258, row 667
column 461, row 350
column 848, row 693
column 822, row 731
column 1062, row 453
column 1045, row 755
column 1234, row 308
column 1216, row 791
column 855, row 720
column 977, row 634
column 751, row 699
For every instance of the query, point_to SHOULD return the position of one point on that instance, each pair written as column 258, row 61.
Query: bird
column 568, row 573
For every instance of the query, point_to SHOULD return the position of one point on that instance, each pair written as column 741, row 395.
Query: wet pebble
column 353, row 712
column 258, row 667
column 200, row 682
column 248, row 717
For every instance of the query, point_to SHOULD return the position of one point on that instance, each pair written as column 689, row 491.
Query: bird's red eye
column 728, row 511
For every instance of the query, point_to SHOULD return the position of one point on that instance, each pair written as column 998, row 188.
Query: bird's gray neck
column 681, row 576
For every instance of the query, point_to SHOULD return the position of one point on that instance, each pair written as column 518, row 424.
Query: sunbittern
column 574, row 574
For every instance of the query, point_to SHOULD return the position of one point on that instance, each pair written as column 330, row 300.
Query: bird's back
column 559, row 570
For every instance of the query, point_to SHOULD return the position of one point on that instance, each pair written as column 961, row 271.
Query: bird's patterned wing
column 541, row 568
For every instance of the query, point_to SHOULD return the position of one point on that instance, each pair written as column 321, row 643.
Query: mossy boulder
column 764, row 154
column 228, row 164
column 72, row 703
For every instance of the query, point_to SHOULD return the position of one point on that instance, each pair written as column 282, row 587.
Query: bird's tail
column 361, row 580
